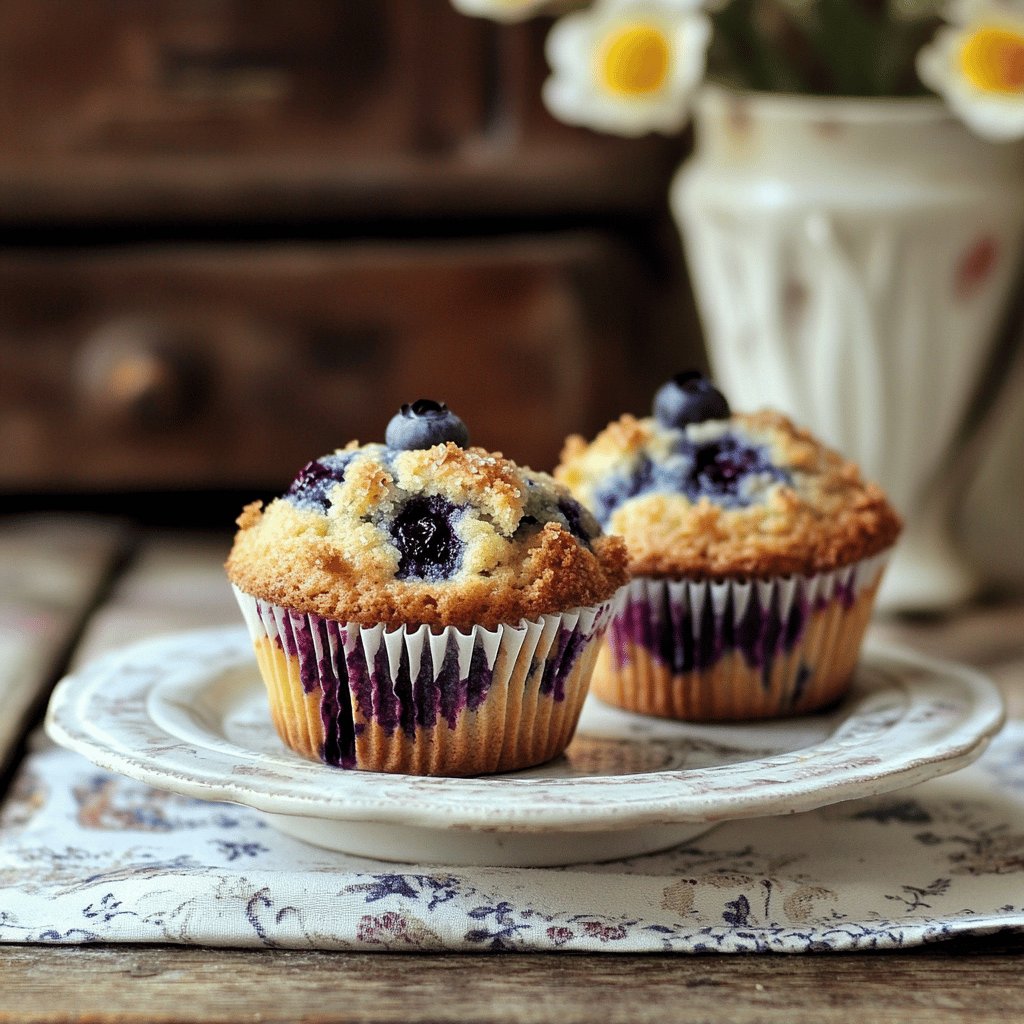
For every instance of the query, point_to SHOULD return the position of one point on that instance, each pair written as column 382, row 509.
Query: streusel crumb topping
column 442, row 536
column 751, row 495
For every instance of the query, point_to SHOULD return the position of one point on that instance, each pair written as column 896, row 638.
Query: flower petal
column 978, row 68
column 627, row 66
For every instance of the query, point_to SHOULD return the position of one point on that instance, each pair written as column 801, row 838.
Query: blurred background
column 240, row 234
column 237, row 234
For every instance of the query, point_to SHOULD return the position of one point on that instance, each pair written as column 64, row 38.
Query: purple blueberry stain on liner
column 350, row 687
column 395, row 702
column 328, row 674
column 453, row 689
column 478, row 683
column 386, row 706
column 299, row 644
column 426, row 692
column 336, row 715
column 845, row 591
column 763, row 633
column 404, row 695
column 359, row 680
column 553, row 663
column 557, row 671
column 666, row 631
column 803, row 677
column 621, row 630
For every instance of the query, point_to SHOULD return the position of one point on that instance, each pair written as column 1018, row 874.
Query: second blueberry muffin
column 423, row 606
column 756, row 553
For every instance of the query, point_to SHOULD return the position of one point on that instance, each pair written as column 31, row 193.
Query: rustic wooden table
column 71, row 588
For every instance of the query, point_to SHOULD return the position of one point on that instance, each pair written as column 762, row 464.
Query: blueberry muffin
column 423, row 606
column 756, row 553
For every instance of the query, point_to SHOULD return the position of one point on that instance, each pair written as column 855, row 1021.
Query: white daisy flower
column 977, row 66
column 627, row 66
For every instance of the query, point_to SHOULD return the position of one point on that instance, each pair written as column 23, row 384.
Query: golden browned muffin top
column 748, row 495
column 445, row 535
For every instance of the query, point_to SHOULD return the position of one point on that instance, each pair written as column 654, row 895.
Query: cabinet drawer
column 164, row 108
column 231, row 367
column 253, row 77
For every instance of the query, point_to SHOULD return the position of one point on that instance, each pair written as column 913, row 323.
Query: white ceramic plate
column 188, row 713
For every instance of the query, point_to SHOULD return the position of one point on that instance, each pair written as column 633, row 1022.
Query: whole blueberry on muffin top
column 689, row 397
column 695, row 451
column 425, row 529
column 698, row 490
column 424, row 423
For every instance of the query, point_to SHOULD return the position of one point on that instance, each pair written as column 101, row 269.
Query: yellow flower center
column 992, row 59
column 634, row 60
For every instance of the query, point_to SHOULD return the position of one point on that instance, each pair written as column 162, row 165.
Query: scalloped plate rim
column 965, row 739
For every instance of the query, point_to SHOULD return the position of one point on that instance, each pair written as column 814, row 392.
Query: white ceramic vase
column 852, row 262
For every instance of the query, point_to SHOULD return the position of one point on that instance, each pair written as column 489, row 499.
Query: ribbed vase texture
column 852, row 263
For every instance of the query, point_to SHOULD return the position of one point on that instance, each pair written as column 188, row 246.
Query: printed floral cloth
column 90, row 857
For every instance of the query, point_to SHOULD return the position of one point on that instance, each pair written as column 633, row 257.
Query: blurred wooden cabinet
column 239, row 232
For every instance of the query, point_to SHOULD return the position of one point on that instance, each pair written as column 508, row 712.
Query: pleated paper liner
column 737, row 649
column 418, row 702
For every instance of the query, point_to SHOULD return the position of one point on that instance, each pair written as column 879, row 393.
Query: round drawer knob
column 141, row 374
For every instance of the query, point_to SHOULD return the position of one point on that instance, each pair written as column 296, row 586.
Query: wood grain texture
column 51, row 570
column 979, row 981
column 172, row 584
column 251, row 108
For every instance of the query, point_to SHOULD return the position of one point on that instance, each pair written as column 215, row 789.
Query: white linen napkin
column 86, row 856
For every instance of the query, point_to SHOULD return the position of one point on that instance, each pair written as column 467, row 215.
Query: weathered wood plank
column 981, row 982
column 173, row 583
column 51, row 570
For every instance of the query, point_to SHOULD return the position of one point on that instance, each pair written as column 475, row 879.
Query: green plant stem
column 831, row 47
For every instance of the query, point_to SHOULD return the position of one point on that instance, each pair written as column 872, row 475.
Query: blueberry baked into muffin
column 756, row 553
column 423, row 606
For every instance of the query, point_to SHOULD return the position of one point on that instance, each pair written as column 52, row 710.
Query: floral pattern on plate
column 187, row 713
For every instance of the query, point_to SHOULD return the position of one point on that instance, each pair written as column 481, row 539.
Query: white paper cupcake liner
column 734, row 649
column 411, row 700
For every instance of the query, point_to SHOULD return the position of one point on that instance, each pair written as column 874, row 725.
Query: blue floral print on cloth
column 90, row 857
